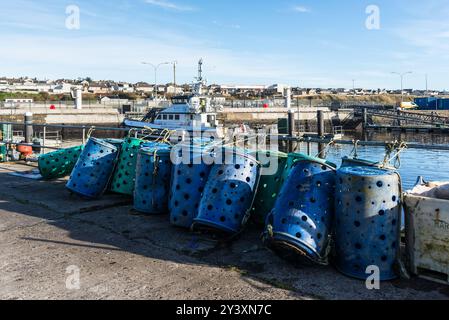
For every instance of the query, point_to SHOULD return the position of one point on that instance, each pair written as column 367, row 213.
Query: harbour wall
column 304, row 116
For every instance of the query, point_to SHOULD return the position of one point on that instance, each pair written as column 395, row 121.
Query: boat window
column 170, row 117
column 180, row 100
column 164, row 117
column 177, row 117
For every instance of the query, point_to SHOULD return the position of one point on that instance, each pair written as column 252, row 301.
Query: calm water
column 432, row 165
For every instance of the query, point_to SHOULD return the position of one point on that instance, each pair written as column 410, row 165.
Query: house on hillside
column 99, row 88
column 113, row 100
column 144, row 87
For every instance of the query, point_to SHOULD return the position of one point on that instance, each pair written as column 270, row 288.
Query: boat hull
column 217, row 132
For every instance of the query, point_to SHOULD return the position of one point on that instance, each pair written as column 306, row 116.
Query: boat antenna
column 199, row 79
column 200, row 70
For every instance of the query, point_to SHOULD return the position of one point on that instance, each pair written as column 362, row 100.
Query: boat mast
column 200, row 81
column 200, row 70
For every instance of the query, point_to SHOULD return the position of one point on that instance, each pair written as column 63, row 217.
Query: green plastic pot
column 124, row 177
column 60, row 163
column 270, row 184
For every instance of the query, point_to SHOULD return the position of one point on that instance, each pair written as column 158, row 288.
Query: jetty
column 124, row 255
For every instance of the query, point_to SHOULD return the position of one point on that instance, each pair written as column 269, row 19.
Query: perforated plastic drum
column 115, row 142
column 351, row 162
column 153, row 174
column 125, row 173
column 229, row 194
column 271, row 180
column 60, row 163
column 189, row 177
column 367, row 221
column 301, row 220
column 94, row 168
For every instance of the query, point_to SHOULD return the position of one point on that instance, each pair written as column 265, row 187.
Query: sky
column 307, row 43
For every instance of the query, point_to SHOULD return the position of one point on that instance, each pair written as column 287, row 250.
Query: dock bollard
column 28, row 119
column 367, row 221
column 300, row 223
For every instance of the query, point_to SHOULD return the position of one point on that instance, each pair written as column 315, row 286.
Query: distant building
column 277, row 88
column 123, row 87
column 4, row 86
column 15, row 103
column 114, row 100
column 99, row 88
column 64, row 88
column 173, row 90
column 19, row 100
column 144, row 87
column 238, row 89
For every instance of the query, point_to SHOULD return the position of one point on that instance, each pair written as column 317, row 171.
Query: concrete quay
column 98, row 116
column 123, row 255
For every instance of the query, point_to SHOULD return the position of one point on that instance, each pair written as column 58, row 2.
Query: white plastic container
column 427, row 234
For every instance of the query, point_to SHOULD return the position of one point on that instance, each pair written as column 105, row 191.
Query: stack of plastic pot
column 60, row 163
column 93, row 170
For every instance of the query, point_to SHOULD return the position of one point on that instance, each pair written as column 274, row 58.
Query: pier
column 380, row 118
column 124, row 255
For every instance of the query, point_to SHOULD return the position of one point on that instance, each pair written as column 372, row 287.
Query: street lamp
column 402, row 75
column 155, row 67
column 174, row 63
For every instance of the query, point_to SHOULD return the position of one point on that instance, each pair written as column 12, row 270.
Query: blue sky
column 304, row 42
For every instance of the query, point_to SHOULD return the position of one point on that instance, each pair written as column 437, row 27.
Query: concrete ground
column 121, row 255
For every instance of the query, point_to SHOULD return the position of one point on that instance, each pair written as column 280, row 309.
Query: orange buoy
column 25, row 150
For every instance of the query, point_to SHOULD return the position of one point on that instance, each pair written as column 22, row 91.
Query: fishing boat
column 192, row 113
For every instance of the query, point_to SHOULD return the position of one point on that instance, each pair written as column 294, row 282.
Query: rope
column 155, row 173
column 151, row 130
column 397, row 148
column 326, row 149
column 165, row 135
column 89, row 133
column 130, row 132
column 355, row 149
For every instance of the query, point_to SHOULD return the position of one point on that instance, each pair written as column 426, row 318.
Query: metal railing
column 338, row 131
column 77, row 134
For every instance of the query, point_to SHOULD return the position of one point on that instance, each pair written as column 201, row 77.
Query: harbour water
column 433, row 165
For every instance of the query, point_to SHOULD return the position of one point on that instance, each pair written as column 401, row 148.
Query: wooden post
column 291, row 129
column 365, row 119
column 321, row 133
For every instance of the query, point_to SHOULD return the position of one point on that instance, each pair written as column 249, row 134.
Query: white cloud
column 430, row 36
column 100, row 58
column 301, row 9
column 231, row 26
column 169, row 5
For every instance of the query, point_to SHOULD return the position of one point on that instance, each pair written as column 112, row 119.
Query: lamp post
column 155, row 67
column 402, row 75
column 174, row 73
